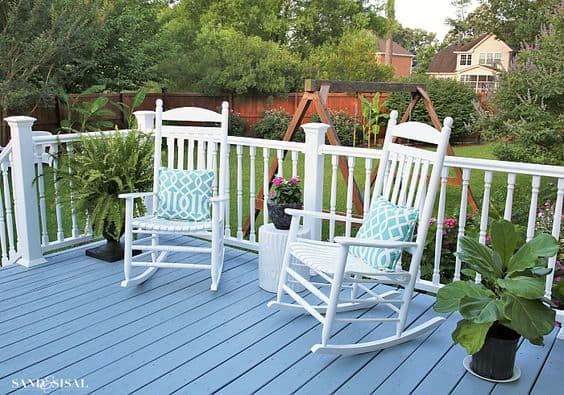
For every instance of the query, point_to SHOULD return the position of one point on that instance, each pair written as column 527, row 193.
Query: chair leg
column 128, row 236
column 334, row 297
column 292, row 234
column 216, row 255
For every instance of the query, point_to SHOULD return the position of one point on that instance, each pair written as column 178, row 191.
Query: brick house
column 402, row 59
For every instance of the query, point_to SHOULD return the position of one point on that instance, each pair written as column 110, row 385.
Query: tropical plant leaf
column 481, row 310
column 523, row 286
column 479, row 257
column 471, row 336
column 449, row 296
column 530, row 318
column 504, row 240
column 544, row 245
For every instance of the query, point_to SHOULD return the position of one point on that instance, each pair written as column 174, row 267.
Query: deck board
column 69, row 318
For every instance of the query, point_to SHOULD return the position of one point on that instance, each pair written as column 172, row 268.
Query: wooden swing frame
column 316, row 92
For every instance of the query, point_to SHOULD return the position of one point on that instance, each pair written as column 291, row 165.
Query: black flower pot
column 496, row 359
column 280, row 219
column 111, row 251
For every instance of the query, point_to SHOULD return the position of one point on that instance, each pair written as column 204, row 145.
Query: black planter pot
column 280, row 219
column 496, row 359
column 111, row 251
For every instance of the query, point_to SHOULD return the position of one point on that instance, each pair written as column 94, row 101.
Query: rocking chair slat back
column 198, row 143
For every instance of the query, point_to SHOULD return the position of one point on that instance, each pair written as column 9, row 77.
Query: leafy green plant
column 274, row 124
column 346, row 127
column 83, row 116
column 511, row 290
column 237, row 125
column 102, row 168
column 373, row 116
column 127, row 110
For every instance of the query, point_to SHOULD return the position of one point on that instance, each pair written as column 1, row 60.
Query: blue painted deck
column 70, row 319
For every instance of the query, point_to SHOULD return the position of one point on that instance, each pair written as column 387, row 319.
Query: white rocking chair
column 402, row 179
column 204, row 140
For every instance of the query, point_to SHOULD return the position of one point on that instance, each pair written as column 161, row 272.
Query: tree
column 414, row 39
column 391, row 27
column 528, row 107
column 351, row 58
column 227, row 61
column 38, row 40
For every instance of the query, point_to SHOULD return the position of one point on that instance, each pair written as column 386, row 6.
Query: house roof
column 471, row 44
column 396, row 48
column 445, row 60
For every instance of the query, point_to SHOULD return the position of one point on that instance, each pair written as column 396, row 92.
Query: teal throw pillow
column 385, row 221
column 185, row 194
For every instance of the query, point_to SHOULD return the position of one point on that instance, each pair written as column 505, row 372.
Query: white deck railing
column 54, row 223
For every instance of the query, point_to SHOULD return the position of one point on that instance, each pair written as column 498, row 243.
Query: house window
column 465, row 60
column 490, row 58
column 479, row 83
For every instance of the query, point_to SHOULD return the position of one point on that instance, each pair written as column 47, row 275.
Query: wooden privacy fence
column 249, row 107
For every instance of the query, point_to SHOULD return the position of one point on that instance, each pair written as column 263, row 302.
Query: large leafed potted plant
column 506, row 304
column 102, row 167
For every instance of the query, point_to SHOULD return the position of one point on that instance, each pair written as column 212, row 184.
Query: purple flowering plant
column 286, row 190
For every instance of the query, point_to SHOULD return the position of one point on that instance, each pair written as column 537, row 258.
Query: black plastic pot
column 280, row 219
column 496, row 359
column 111, row 251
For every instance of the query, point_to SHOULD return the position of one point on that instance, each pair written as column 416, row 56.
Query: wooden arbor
column 316, row 92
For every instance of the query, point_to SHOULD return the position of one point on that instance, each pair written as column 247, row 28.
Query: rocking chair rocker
column 182, row 194
column 403, row 198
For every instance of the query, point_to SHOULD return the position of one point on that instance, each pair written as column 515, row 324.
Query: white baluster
column 333, row 200
column 227, row 195
column 488, row 176
column 294, row 163
column 440, row 228
column 280, row 158
column 511, row 177
column 40, row 149
column 74, row 228
column 58, row 207
column 265, row 183
column 461, row 220
column 212, row 165
column 350, row 195
column 556, row 224
column 533, row 207
column 201, row 154
column 252, row 187
column 3, row 236
column 239, row 192
column 367, row 174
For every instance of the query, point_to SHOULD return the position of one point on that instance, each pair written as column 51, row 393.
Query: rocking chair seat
column 320, row 256
column 151, row 222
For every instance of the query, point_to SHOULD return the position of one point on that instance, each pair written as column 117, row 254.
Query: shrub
column 274, row 124
column 237, row 125
column 450, row 99
column 346, row 127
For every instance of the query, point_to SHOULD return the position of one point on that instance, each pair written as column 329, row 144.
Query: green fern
column 104, row 167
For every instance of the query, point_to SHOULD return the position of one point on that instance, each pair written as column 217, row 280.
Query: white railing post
column 25, row 194
column 313, row 174
column 145, row 120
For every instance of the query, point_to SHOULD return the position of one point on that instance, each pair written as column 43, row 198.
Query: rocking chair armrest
column 321, row 215
column 353, row 241
column 135, row 195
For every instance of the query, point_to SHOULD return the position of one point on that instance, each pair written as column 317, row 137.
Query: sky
column 427, row 14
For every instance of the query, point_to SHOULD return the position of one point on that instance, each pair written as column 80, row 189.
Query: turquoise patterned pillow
column 385, row 221
column 185, row 194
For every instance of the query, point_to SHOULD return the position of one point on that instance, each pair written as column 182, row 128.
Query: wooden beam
column 360, row 86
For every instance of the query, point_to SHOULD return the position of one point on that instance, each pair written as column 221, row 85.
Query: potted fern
column 507, row 303
column 103, row 167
